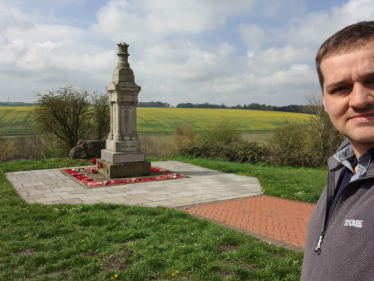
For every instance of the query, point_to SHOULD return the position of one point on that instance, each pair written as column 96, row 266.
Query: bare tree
column 64, row 113
column 100, row 114
column 326, row 138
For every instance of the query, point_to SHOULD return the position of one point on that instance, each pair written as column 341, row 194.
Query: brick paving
column 231, row 200
column 272, row 217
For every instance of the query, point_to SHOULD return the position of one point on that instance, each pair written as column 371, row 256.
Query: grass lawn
column 118, row 242
column 301, row 184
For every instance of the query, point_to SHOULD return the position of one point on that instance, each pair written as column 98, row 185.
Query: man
column 340, row 237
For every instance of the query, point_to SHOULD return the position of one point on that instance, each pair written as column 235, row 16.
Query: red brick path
column 281, row 219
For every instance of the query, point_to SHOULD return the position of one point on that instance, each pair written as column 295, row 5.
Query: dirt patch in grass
column 245, row 265
column 226, row 247
column 63, row 272
column 223, row 272
column 277, row 255
column 117, row 261
column 24, row 252
column 90, row 254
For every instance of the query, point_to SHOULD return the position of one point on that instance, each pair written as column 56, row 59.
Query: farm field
column 18, row 120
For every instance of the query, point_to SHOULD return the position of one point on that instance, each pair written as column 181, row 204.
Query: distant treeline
column 18, row 103
column 140, row 104
column 254, row 106
column 153, row 104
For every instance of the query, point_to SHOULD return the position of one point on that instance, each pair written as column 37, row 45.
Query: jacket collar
column 344, row 152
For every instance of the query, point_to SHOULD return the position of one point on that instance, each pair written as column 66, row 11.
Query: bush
column 157, row 145
column 291, row 145
column 325, row 137
column 64, row 113
column 7, row 149
column 183, row 136
column 243, row 151
column 309, row 144
column 220, row 133
column 100, row 115
column 222, row 140
column 31, row 147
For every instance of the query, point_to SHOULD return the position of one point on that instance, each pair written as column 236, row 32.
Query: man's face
column 348, row 95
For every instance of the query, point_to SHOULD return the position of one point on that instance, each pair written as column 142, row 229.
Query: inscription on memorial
column 127, row 88
column 127, row 108
column 122, row 146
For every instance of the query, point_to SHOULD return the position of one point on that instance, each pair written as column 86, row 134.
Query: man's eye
column 339, row 89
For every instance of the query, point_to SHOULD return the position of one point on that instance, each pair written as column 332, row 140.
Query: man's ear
column 323, row 100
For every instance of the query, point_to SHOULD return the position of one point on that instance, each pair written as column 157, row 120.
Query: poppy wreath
column 92, row 182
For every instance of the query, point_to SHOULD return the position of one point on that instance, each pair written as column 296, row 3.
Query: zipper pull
column 318, row 248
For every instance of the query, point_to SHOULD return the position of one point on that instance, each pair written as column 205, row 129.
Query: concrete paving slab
column 200, row 185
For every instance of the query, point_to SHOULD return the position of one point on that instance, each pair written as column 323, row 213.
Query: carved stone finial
column 122, row 48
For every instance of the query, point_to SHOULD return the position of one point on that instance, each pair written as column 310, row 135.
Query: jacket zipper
column 320, row 240
column 318, row 248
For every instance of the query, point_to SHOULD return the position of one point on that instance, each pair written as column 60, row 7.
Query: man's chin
column 365, row 140
column 361, row 135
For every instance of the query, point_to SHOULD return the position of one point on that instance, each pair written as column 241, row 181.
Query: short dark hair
column 350, row 38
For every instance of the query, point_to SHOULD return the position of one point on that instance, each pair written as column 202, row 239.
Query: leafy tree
column 64, row 113
column 100, row 115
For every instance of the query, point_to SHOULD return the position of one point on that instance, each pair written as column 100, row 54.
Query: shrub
column 223, row 140
column 157, row 145
column 309, row 144
column 7, row 149
column 31, row 147
column 220, row 133
column 100, row 115
column 243, row 151
column 64, row 113
column 291, row 145
column 183, row 136
column 325, row 137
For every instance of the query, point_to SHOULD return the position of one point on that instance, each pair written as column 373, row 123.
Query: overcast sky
column 216, row 51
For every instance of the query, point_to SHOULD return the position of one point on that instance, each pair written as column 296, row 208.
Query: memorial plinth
column 122, row 156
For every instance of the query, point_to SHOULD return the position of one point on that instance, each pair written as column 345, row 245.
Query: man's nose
column 361, row 96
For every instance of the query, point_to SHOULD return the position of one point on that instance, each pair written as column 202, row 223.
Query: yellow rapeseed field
column 166, row 119
column 18, row 120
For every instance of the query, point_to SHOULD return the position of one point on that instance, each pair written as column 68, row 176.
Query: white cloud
column 152, row 20
column 170, row 53
column 315, row 28
column 253, row 36
column 13, row 16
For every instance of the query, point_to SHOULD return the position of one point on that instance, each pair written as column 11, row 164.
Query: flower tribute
column 92, row 182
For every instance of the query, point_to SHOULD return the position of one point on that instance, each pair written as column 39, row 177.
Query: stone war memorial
column 122, row 156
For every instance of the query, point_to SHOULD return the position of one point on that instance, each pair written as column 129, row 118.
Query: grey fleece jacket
column 347, row 246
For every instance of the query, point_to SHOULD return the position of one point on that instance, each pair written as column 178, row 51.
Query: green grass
column 301, row 184
column 95, row 242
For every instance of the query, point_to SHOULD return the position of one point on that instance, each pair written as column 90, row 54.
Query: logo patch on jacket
column 354, row 223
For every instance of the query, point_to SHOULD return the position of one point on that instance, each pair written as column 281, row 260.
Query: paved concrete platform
column 203, row 185
column 282, row 222
column 231, row 200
